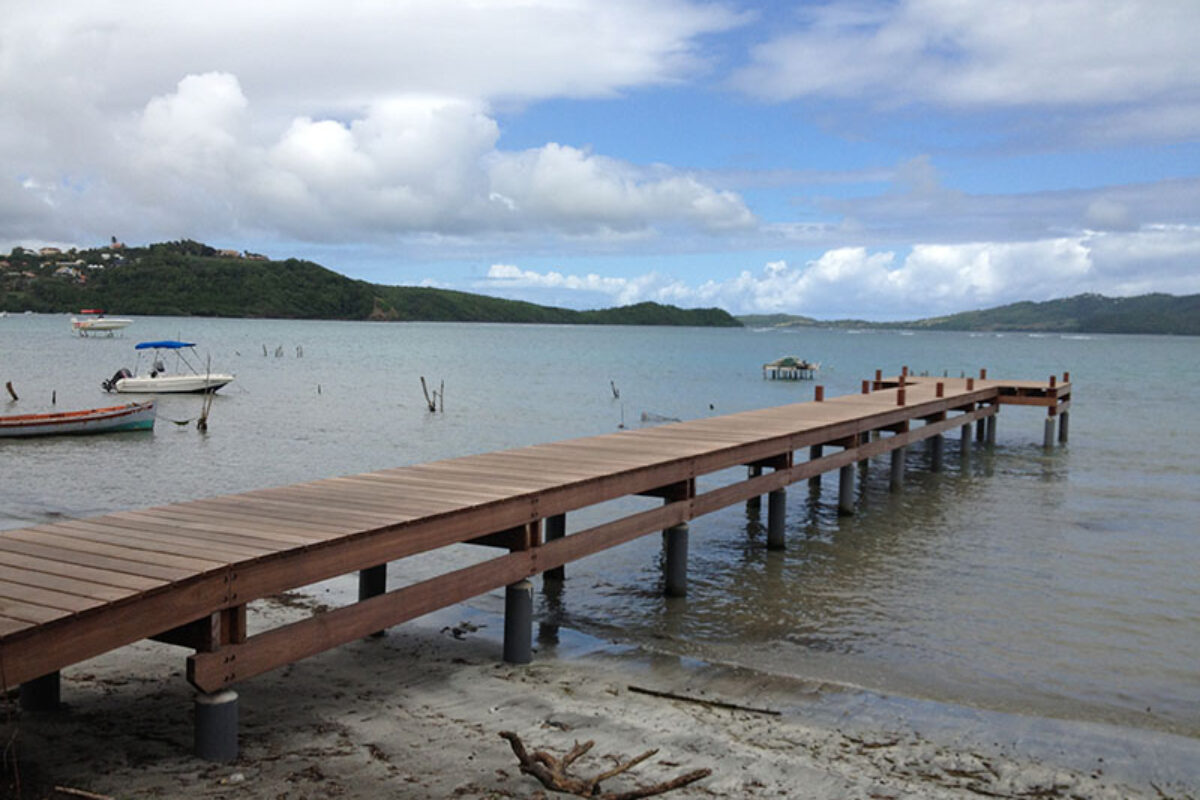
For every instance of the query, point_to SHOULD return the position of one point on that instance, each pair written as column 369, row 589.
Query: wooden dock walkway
column 185, row 573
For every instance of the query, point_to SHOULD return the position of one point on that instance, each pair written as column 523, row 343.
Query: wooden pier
column 186, row 573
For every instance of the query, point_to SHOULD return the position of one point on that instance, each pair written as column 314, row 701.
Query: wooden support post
column 556, row 528
column 216, row 726
column 819, row 394
column 675, row 550
column 896, row 480
column 372, row 581
column 991, row 429
column 1048, row 436
column 964, row 443
column 42, row 694
column 814, row 452
column 518, row 622
column 980, row 429
column 1063, row 419
column 776, row 519
column 937, row 446
column 754, row 471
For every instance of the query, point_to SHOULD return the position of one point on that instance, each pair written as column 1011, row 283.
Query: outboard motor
column 111, row 384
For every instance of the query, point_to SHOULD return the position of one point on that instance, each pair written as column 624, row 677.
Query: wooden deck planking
column 205, row 555
column 55, row 599
column 45, row 571
column 74, row 550
column 34, row 581
column 137, row 534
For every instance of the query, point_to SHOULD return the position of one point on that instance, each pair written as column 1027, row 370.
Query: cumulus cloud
column 930, row 279
column 329, row 123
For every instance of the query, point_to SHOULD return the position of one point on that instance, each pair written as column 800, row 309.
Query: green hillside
column 1085, row 313
column 192, row 279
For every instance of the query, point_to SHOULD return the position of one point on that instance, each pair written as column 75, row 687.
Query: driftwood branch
column 67, row 790
column 703, row 701
column 552, row 772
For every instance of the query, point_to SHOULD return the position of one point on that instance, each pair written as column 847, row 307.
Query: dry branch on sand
column 552, row 772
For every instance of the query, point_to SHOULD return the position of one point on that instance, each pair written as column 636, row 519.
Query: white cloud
column 1070, row 53
column 929, row 280
column 326, row 122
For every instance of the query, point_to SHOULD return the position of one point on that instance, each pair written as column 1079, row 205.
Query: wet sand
column 418, row 712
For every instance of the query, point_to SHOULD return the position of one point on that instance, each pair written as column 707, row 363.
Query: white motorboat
column 185, row 378
column 98, row 323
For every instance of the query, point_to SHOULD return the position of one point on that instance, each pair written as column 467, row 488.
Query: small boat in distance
column 186, row 378
column 129, row 417
column 98, row 323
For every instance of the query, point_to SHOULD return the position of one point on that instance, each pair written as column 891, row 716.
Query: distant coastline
column 1084, row 313
column 187, row 278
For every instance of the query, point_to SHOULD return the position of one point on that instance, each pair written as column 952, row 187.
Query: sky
column 875, row 159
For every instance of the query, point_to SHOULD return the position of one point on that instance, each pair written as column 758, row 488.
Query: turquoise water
column 1057, row 584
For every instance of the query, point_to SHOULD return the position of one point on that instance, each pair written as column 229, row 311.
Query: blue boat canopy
column 165, row 344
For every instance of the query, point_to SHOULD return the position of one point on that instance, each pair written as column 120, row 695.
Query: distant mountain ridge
column 188, row 278
column 1083, row 313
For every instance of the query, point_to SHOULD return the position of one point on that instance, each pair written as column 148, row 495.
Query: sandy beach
column 418, row 713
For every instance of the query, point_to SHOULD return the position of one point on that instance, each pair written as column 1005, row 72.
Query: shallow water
column 1054, row 584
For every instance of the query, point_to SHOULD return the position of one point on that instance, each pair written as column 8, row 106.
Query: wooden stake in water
column 202, row 423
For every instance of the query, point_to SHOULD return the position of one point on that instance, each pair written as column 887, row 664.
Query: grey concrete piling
column 814, row 453
column 518, row 622
column 776, row 519
column 555, row 528
column 846, row 490
column 216, row 726
column 1063, row 420
column 1048, row 436
column 896, row 479
column 372, row 581
column 42, row 694
column 937, row 448
column 675, row 548
column 754, row 471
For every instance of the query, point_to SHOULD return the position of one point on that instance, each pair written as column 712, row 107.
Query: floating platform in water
column 791, row 368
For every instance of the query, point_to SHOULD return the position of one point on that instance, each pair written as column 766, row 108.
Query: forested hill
column 1084, row 313
column 191, row 279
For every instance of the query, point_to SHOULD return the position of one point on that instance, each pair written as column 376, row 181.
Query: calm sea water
column 1058, row 584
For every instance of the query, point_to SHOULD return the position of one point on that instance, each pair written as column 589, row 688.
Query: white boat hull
column 172, row 384
column 99, row 325
column 130, row 417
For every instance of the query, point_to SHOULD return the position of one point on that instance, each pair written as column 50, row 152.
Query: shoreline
column 418, row 712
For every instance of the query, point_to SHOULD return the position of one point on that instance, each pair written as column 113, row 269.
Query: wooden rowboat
column 129, row 417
